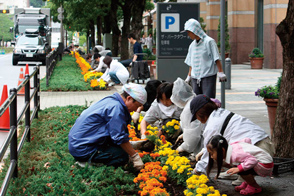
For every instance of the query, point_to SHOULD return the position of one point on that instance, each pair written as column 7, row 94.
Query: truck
column 32, row 18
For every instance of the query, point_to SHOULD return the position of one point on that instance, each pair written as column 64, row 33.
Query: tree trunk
column 126, row 29
column 88, row 48
column 107, row 24
column 137, row 15
column 114, row 27
column 99, row 30
column 92, row 29
column 284, row 126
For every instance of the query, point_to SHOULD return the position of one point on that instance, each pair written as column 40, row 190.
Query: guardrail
column 11, row 104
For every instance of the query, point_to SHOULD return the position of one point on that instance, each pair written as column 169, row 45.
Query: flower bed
column 164, row 164
column 89, row 76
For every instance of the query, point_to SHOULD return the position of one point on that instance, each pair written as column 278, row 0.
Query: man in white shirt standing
column 203, row 60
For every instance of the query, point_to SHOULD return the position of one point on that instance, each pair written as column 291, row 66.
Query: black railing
column 11, row 104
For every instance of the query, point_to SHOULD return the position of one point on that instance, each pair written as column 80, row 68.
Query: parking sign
column 170, row 22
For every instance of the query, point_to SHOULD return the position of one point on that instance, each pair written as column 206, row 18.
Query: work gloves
column 143, row 136
column 136, row 116
column 222, row 77
column 188, row 79
column 137, row 161
column 179, row 138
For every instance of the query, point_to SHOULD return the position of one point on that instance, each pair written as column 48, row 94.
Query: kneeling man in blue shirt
column 100, row 133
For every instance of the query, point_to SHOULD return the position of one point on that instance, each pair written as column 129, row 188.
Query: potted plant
column 227, row 38
column 256, row 58
column 270, row 95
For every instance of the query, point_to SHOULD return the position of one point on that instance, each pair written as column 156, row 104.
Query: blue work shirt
column 138, row 49
column 105, row 121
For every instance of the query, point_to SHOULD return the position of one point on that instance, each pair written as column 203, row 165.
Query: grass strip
column 45, row 166
column 66, row 77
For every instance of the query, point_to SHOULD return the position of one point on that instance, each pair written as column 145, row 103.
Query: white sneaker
column 111, row 84
column 81, row 164
column 225, row 175
column 238, row 182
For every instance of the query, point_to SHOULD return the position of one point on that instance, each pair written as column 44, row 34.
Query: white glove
column 222, row 77
column 180, row 149
column 188, row 79
column 137, row 161
column 179, row 138
column 136, row 116
column 143, row 136
column 199, row 155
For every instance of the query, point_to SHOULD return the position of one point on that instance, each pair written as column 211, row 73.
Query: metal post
column 35, row 88
column 47, row 70
column 222, row 25
column 13, row 123
column 61, row 25
column 38, row 91
column 228, row 73
column 27, row 103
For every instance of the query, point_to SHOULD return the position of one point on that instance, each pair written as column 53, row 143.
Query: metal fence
column 11, row 104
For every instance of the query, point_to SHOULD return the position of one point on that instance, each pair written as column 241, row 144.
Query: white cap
column 136, row 91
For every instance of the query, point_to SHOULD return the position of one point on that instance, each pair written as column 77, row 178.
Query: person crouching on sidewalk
column 244, row 159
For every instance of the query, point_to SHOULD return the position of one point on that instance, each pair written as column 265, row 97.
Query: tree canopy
column 6, row 21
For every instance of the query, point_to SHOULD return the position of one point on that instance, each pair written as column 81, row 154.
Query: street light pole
column 222, row 39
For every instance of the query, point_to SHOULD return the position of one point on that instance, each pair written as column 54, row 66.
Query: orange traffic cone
column 27, row 69
column 20, row 80
column 4, row 119
column 27, row 72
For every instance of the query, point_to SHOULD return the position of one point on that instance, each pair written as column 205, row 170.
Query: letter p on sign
column 170, row 22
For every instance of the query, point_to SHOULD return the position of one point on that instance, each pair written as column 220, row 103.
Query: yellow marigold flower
column 176, row 126
column 180, row 170
column 211, row 189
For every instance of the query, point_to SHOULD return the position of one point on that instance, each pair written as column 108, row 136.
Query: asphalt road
column 9, row 74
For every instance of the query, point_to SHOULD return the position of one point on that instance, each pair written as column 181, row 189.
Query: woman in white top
column 238, row 127
column 116, row 72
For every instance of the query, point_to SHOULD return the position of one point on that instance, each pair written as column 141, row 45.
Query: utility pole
column 222, row 38
column 60, row 10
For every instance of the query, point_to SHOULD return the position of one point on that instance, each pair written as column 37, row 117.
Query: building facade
column 251, row 23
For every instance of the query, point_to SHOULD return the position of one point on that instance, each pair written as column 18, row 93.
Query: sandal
column 242, row 186
column 250, row 190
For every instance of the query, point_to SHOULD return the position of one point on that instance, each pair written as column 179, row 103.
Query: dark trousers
column 207, row 86
column 126, row 62
column 108, row 154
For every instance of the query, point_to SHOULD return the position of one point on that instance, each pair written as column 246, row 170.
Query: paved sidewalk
column 240, row 98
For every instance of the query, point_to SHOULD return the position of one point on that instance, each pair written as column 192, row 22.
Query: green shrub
column 227, row 36
column 256, row 52
column 270, row 92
